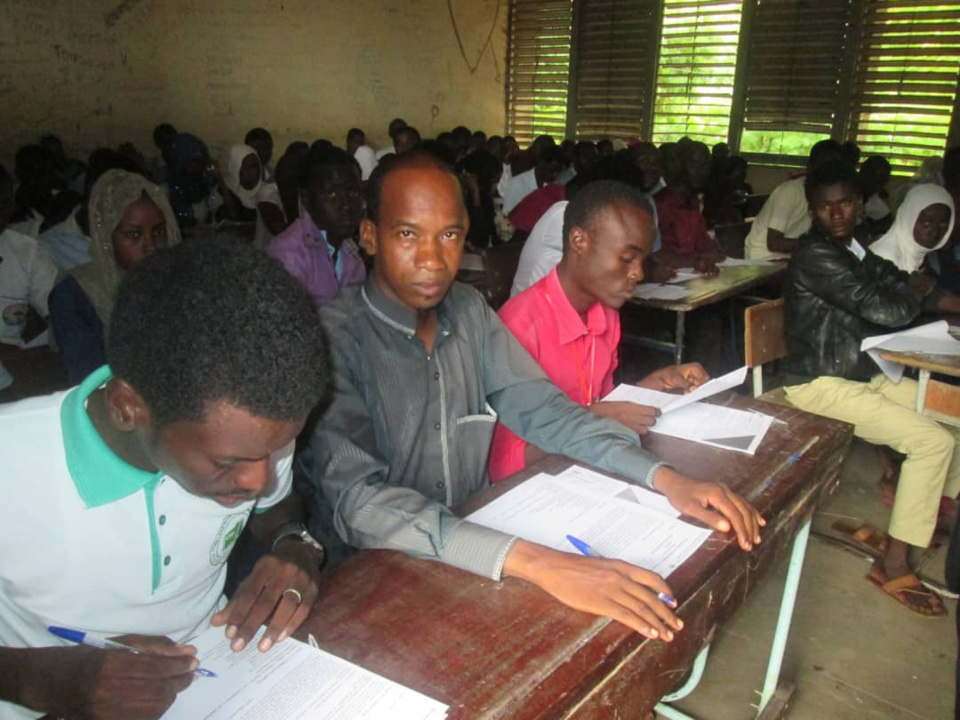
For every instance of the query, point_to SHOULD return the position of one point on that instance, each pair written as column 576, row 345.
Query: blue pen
column 81, row 638
column 584, row 549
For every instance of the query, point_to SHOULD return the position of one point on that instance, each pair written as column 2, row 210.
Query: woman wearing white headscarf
column 923, row 225
column 130, row 218
column 248, row 191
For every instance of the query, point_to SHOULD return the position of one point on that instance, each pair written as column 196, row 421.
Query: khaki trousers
column 883, row 413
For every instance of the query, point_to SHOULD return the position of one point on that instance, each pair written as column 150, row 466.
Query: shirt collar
column 399, row 317
column 100, row 475
column 570, row 326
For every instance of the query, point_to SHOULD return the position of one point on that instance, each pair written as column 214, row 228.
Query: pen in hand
column 584, row 549
column 81, row 638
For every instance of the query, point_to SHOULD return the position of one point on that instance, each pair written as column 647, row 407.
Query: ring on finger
column 294, row 591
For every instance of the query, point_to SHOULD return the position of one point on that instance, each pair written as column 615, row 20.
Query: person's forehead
column 423, row 186
column 621, row 223
column 836, row 191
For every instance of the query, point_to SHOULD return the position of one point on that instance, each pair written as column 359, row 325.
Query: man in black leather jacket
column 836, row 294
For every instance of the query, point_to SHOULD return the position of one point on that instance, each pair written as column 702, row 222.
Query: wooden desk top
column 946, row 364
column 508, row 650
column 706, row 291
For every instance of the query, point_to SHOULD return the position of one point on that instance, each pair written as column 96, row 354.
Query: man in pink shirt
column 318, row 249
column 570, row 322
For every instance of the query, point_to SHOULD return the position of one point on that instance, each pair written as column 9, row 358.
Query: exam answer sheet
column 293, row 681
column 606, row 513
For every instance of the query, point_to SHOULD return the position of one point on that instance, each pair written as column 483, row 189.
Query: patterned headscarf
column 113, row 193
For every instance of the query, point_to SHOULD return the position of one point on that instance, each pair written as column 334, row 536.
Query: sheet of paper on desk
column 683, row 275
column 933, row 338
column 611, row 487
column 668, row 401
column 717, row 426
column 472, row 261
column 740, row 262
column 545, row 510
column 656, row 291
column 291, row 681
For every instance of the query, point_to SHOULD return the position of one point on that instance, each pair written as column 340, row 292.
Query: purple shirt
column 303, row 250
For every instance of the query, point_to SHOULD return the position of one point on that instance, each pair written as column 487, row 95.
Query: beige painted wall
column 100, row 72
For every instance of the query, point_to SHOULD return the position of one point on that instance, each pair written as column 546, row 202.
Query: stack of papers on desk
column 933, row 339
column 616, row 519
column 657, row 291
column 683, row 275
column 683, row 416
column 293, row 680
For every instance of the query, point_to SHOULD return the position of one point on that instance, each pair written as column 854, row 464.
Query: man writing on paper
column 123, row 497
column 836, row 294
column 569, row 321
column 417, row 359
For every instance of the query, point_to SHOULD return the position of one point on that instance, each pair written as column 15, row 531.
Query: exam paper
column 544, row 510
column 292, row 681
column 656, row 291
column 740, row 262
column 717, row 426
column 611, row 487
column 683, row 276
column 933, row 338
column 669, row 401
column 472, row 261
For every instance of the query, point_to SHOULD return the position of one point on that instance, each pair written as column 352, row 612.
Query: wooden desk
column 706, row 291
column 508, row 650
column 936, row 400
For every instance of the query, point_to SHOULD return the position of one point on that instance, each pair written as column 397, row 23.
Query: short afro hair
column 832, row 172
column 316, row 166
column 419, row 158
column 211, row 321
column 595, row 197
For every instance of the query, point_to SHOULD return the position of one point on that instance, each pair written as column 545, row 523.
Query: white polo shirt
column 785, row 210
column 92, row 543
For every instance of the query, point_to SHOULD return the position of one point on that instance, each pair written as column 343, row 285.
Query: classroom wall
column 100, row 72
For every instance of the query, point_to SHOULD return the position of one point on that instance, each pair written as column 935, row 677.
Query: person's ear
column 126, row 408
column 579, row 240
column 368, row 236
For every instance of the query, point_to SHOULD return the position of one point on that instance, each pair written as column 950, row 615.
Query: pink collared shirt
column 579, row 358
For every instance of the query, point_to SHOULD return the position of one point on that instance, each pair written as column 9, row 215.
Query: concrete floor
column 853, row 652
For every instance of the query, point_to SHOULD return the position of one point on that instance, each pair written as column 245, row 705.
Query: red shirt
column 579, row 358
column 682, row 228
column 529, row 210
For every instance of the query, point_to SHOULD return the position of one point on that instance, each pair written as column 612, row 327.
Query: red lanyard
column 586, row 385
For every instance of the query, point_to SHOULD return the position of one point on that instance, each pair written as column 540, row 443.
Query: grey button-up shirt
column 408, row 433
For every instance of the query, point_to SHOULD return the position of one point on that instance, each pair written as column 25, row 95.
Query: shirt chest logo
column 226, row 538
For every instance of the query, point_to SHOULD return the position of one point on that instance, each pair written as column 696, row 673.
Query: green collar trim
column 100, row 475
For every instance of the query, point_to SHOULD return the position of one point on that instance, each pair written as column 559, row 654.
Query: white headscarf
column 898, row 245
column 238, row 153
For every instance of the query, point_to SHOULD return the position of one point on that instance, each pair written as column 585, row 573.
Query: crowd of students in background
column 594, row 219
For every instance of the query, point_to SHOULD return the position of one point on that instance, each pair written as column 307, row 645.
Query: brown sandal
column 905, row 586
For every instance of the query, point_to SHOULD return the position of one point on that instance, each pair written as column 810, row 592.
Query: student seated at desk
column 683, row 229
column 784, row 216
column 569, row 321
column 123, row 498
column 419, row 361
column 923, row 225
column 247, row 196
column 318, row 249
column 130, row 218
column 837, row 293
column 261, row 140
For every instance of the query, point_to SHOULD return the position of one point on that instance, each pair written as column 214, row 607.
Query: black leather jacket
column 832, row 301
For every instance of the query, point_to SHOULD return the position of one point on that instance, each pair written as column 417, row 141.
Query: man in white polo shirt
column 122, row 498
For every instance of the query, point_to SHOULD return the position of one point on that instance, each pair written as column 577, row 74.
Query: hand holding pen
column 107, row 684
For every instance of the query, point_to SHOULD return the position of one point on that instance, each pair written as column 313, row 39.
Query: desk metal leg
column 678, row 344
column 777, row 649
column 923, row 381
column 786, row 615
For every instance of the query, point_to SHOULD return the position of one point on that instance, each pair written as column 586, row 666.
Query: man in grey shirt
column 421, row 364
